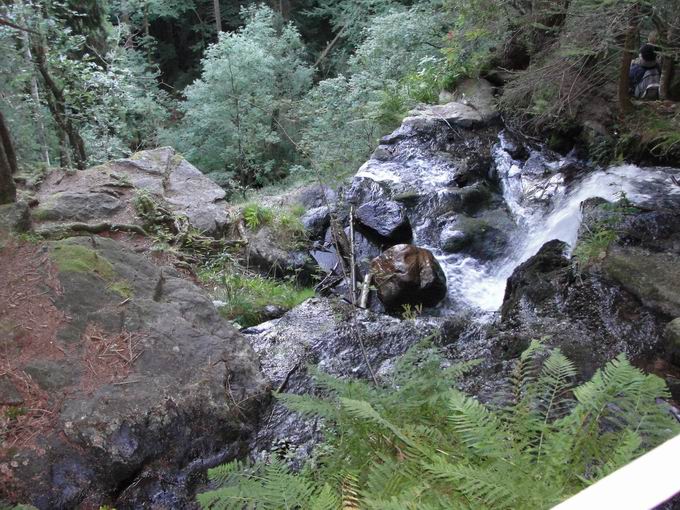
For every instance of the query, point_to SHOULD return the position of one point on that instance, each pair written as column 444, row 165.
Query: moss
column 78, row 259
column 41, row 214
column 123, row 288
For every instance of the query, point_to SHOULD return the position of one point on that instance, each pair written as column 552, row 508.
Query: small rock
column 406, row 274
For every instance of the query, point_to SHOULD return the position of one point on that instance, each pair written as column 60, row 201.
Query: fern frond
column 308, row 405
column 362, row 410
column 350, row 492
column 478, row 429
column 481, row 485
column 325, row 499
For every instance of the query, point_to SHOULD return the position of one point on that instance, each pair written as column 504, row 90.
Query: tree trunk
column 58, row 110
column 625, row 104
column 35, row 94
column 8, row 191
column 218, row 16
column 6, row 140
column 668, row 63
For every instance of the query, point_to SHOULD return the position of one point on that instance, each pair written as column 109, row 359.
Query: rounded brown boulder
column 408, row 275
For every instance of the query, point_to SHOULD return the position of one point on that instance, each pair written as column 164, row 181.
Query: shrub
column 417, row 442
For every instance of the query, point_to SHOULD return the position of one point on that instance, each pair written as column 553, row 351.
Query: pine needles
column 419, row 443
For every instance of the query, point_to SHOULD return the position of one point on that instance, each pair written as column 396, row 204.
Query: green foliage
column 603, row 231
column 233, row 115
column 342, row 119
column 256, row 215
column 246, row 295
column 418, row 442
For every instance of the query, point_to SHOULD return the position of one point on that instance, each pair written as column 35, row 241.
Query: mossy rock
column 79, row 259
column 654, row 278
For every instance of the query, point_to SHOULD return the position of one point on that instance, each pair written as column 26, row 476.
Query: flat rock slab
column 106, row 192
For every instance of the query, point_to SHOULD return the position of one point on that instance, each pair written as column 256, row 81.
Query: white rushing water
column 544, row 208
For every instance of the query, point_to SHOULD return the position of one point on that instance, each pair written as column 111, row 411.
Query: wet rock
column 15, row 217
column 263, row 252
column 78, row 206
column 324, row 332
column 316, row 221
column 406, row 274
column 473, row 236
column 386, row 219
column 657, row 230
column 9, row 395
column 672, row 341
column 184, row 384
column 591, row 318
column 366, row 248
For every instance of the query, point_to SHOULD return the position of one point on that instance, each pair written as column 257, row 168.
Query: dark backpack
column 648, row 86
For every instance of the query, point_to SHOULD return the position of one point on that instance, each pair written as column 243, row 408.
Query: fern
column 419, row 443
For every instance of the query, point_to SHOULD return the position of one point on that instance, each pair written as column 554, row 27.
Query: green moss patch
column 78, row 259
column 73, row 258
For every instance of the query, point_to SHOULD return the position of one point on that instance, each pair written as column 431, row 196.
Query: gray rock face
column 408, row 275
column 183, row 385
column 316, row 221
column 106, row 192
column 385, row 218
column 188, row 191
column 77, row 206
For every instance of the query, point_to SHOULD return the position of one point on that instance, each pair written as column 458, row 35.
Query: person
column 645, row 74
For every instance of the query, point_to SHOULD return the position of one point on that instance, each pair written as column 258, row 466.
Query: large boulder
column 127, row 376
column 106, row 192
column 654, row 278
column 386, row 219
column 589, row 316
column 408, row 275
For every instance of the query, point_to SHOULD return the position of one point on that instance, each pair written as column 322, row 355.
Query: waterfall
column 544, row 207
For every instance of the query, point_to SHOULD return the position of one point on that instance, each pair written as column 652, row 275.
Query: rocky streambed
column 123, row 383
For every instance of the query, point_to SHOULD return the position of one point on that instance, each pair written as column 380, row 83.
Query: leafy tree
column 420, row 443
column 342, row 122
column 397, row 42
column 251, row 81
